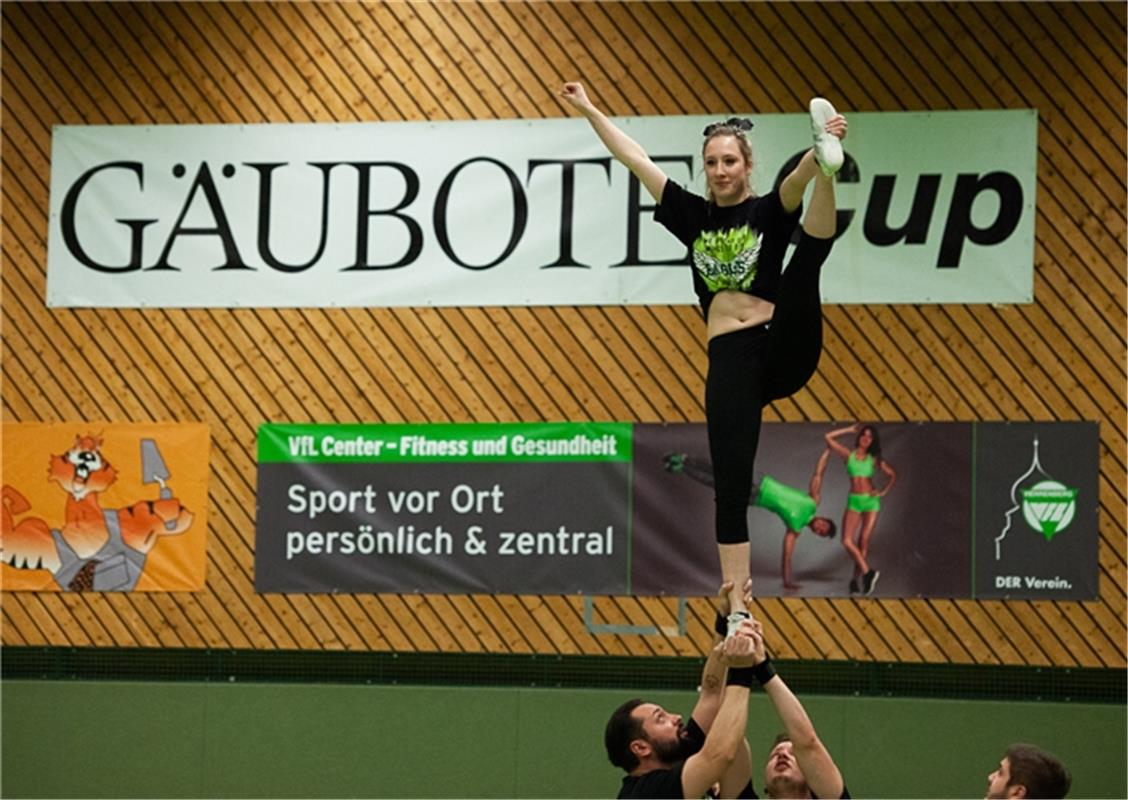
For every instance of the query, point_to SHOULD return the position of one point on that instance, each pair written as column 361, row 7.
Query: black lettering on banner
column 266, row 185
column 136, row 226
column 222, row 229
column 959, row 225
column 635, row 208
column 915, row 230
column 363, row 212
column 567, row 202
column 520, row 213
column 878, row 229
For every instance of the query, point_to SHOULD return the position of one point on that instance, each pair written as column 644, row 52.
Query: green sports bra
column 859, row 467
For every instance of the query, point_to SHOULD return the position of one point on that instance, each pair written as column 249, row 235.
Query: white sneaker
column 734, row 620
column 828, row 147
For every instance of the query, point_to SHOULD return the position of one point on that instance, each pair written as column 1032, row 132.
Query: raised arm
column 713, row 674
column 815, row 489
column 832, row 440
column 823, row 777
column 625, row 149
column 725, row 742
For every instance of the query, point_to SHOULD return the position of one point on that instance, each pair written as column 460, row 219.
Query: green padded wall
column 119, row 739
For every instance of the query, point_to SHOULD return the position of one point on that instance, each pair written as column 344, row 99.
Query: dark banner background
column 934, row 537
column 582, row 497
column 1005, row 453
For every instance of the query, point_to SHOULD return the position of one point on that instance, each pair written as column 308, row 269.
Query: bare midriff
column 860, row 485
column 733, row 311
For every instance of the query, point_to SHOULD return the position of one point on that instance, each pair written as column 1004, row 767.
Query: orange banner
column 104, row 507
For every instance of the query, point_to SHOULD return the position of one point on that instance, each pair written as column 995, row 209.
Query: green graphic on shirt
column 727, row 259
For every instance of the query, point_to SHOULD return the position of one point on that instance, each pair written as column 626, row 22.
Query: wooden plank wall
column 1061, row 358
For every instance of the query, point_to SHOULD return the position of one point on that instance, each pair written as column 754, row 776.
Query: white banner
column 935, row 207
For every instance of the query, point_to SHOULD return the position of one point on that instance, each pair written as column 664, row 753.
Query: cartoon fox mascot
column 97, row 549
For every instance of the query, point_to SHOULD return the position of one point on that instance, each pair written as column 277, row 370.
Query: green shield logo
column 1049, row 507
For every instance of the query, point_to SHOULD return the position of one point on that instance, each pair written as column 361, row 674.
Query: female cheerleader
column 763, row 323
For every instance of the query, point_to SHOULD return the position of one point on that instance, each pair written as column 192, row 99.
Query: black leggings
column 750, row 368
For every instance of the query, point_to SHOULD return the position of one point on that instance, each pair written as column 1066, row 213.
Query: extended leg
column 796, row 330
column 733, row 408
column 735, row 568
column 869, row 521
column 850, row 525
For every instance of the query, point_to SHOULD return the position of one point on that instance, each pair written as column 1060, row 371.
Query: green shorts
column 863, row 502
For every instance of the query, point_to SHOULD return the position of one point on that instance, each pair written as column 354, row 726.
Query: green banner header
column 444, row 443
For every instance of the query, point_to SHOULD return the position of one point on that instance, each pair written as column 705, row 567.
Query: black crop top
column 737, row 247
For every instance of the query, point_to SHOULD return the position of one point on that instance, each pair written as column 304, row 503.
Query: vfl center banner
column 104, row 507
column 934, row 207
column 444, row 508
column 979, row 510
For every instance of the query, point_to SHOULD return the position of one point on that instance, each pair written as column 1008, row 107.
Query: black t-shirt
column 737, row 247
column 660, row 784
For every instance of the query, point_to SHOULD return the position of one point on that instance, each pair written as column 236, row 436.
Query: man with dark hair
column 1027, row 771
column 665, row 757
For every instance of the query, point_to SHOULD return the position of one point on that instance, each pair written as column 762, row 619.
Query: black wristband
column 764, row 671
column 743, row 676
